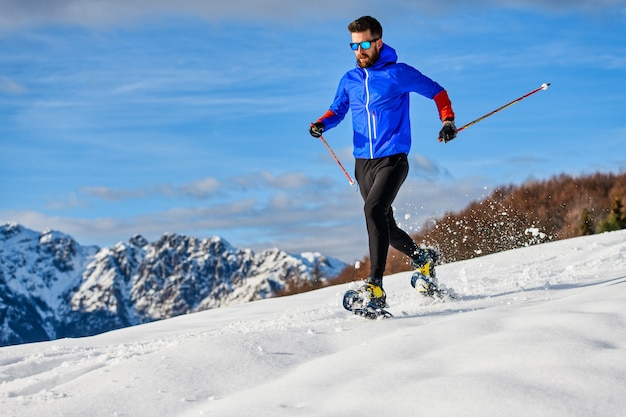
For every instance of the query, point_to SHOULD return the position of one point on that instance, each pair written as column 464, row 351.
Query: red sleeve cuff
column 444, row 105
column 326, row 115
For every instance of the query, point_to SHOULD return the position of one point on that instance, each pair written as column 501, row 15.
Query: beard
column 366, row 61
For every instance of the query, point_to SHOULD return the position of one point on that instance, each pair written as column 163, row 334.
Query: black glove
column 447, row 132
column 316, row 129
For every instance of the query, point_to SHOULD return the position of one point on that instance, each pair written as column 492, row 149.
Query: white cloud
column 293, row 180
column 10, row 87
column 115, row 12
column 110, row 194
column 202, row 188
column 72, row 201
column 427, row 168
column 329, row 221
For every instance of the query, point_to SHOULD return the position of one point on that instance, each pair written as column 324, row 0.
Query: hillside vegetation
column 514, row 216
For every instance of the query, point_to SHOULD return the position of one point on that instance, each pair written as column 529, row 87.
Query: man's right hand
column 316, row 129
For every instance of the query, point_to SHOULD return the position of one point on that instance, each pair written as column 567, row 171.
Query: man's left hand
column 447, row 132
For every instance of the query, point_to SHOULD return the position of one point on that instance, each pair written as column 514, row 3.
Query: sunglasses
column 363, row 45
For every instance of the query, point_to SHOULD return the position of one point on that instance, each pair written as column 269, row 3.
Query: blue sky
column 145, row 117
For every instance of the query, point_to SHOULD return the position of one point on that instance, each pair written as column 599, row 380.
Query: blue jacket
column 379, row 100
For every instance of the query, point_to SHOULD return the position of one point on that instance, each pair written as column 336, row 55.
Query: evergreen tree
column 619, row 212
column 616, row 220
column 586, row 223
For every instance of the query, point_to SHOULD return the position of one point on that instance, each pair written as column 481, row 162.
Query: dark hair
column 362, row 24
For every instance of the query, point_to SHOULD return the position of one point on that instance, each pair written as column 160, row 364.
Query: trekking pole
column 337, row 160
column 544, row 86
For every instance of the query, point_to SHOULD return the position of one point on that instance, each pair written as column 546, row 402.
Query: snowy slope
column 539, row 331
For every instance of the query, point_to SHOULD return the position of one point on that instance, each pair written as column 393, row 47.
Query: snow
column 538, row 331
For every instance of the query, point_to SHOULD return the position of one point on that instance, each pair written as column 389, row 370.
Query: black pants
column 379, row 182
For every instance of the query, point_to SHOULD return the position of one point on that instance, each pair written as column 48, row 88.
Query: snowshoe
column 424, row 279
column 428, row 287
column 359, row 303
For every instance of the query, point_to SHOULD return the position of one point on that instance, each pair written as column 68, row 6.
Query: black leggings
column 379, row 182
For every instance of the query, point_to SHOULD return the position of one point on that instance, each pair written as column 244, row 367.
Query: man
column 377, row 94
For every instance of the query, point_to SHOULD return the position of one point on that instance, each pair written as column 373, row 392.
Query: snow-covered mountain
column 537, row 331
column 52, row 287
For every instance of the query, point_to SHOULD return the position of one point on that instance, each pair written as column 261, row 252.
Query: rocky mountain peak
column 51, row 286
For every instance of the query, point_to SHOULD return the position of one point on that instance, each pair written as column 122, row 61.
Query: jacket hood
column 387, row 56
